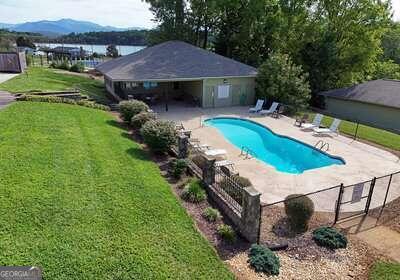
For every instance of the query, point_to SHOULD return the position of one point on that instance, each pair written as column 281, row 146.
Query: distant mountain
column 61, row 27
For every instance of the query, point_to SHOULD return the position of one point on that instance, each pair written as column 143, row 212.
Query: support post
column 355, row 134
column 339, row 201
column 183, row 146
column 371, row 192
column 250, row 221
column 209, row 171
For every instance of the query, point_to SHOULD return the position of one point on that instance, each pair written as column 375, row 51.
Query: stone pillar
column 250, row 224
column 209, row 171
column 183, row 146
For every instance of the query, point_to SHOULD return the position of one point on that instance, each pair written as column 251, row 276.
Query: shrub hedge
column 264, row 260
column 131, row 108
column 140, row 119
column 299, row 210
column 77, row 67
column 329, row 237
column 159, row 135
column 56, row 99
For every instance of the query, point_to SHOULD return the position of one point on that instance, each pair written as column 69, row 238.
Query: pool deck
column 363, row 161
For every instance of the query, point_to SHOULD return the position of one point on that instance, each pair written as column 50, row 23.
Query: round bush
column 330, row 238
column 193, row 192
column 140, row 119
column 77, row 67
column 131, row 108
column 263, row 260
column 299, row 210
column 159, row 135
column 179, row 167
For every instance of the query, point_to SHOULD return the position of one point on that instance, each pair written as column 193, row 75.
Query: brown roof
column 173, row 60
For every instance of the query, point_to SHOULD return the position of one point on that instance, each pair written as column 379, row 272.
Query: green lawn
column 385, row 271
column 45, row 79
column 83, row 201
column 374, row 135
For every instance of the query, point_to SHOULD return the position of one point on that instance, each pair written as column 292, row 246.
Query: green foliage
column 140, row 119
column 130, row 108
column 194, row 192
column 329, row 237
column 56, row 99
column 264, row 260
column 386, row 70
column 391, row 43
column 179, row 167
column 280, row 80
column 63, row 65
column 44, row 79
column 299, row 210
column 23, row 41
column 80, row 188
column 385, row 271
column 77, row 67
column 227, row 233
column 112, row 51
column 211, row 214
column 159, row 135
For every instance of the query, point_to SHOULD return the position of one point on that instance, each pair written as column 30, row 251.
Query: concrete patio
column 363, row 161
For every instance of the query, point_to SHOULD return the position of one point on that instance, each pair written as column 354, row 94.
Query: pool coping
column 282, row 136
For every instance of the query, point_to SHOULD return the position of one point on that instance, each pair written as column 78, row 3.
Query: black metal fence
column 228, row 187
column 378, row 197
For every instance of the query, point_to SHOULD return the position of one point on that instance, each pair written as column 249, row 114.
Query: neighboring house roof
column 173, row 60
column 380, row 92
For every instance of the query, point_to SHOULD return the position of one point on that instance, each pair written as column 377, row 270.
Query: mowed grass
column 45, row 79
column 374, row 135
column 82, row 201
column 385, row 271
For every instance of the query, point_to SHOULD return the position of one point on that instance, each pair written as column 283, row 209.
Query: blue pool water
column 284, row 153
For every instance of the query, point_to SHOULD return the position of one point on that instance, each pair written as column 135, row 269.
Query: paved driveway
column 6, row 76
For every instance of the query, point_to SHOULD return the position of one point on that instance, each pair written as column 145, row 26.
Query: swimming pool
column 285, row 154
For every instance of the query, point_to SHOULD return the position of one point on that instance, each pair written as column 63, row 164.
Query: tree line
column 335, row 42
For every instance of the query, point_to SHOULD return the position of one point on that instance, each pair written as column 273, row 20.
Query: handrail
column 247, row 151
column 323, row 145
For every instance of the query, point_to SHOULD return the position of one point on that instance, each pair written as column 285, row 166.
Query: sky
column 118, row 13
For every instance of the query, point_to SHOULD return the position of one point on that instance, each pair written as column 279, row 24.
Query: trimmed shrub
column 263, row 260
column 299, row 210
column 179, row 167
column 77, row 67
column 159, row 135
column 193, row 192
column 56, row 99
column 227, row 233
column 140, row 119
column 131, row 108
column 211, row 214
column 330, row 238
column 63, row 65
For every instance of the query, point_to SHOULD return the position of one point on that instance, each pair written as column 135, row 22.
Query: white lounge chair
column 215, row 152
column 271, row 110
column 258, row 106
column 223, row 163
column 315, row 124
column 333, row 129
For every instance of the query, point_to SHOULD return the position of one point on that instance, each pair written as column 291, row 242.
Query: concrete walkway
column 5, row 99
column 6, row 76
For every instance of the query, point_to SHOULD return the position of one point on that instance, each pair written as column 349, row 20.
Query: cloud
column 120, row 13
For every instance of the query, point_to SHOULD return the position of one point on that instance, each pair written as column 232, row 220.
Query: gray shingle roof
column 173, row 60
column 380, row 92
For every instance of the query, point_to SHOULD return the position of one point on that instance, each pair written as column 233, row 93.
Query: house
column 70, row 52
column 175, row 70
column 374, row 103
column 12, row 62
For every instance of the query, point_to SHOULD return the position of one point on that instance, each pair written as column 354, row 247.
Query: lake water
column 100, row 49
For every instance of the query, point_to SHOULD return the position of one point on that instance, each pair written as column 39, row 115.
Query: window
column 223, row 91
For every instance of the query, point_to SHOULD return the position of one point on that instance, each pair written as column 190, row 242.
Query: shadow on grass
column 117, row 124
column 138, row 153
